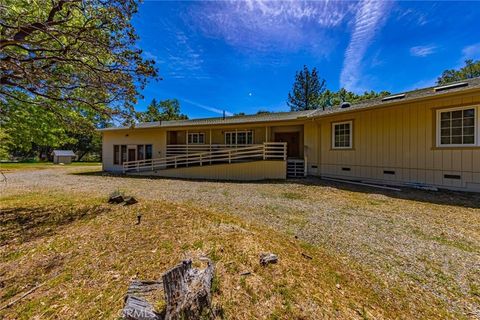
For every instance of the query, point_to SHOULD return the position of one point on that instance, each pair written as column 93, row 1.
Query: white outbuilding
column 63, row 156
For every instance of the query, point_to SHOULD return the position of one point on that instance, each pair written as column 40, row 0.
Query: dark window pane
column 445, row 140
column 445, row 116
column 457, row 123
column 140, row 152
column 445, row 132
column 468, row 140
column 469, row 113
column 116, row 154
column 469, row 131
column 201, row 138
column 457, row 114
column 456, row 131
column 468, row 122
column 148, row 151
column 124, row 154
column 445, row 124
column 456, row 139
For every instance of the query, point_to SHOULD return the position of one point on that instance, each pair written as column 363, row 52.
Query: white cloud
column 369, row 19
column 471, row 52
column 265, row 25
column 212, row 109
column 423, row 51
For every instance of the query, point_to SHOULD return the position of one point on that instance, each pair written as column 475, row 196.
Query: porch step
column 295, row 168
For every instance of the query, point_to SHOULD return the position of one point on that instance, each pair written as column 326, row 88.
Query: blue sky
column 241, row 56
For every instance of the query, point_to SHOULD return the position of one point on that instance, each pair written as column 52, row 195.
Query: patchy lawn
column 408, row 254
column 15, row 166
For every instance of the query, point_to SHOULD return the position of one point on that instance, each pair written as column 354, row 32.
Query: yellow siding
column 256, row 170
column 401, row 139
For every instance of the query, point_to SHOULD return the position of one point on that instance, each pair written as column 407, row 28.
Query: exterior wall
column 155, row 137
column 62, row 159
column 312, row 146
column 400, row 139
column 218, row 134
column 249, row 171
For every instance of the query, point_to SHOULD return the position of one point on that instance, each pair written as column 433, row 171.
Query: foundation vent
column 389, row 172
column 346, row 169
column 452, row 176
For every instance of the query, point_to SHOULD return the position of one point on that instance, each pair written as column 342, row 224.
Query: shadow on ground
column 441, row 197
column 23, row 224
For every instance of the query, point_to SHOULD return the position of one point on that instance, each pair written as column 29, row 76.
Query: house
column 427, row 137
column 63, row 156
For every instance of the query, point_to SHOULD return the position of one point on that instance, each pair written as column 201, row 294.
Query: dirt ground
column 418, row 244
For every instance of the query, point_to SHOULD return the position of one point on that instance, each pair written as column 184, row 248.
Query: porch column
column 186, row 142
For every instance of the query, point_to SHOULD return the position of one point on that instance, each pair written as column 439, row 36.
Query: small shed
column 63, row 156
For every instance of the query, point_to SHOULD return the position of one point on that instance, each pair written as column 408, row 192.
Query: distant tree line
column 310, row 92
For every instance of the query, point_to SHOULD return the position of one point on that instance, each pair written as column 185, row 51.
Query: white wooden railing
column 265, row 151
column 179, row 149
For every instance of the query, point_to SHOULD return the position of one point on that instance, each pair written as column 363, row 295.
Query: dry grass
column 87, row 261
column 16, row 166
column 394, row 255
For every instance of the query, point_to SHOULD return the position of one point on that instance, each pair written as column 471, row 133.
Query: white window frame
column 236, row 136
column 350, row 142
column 198, row 134
column 476, row 122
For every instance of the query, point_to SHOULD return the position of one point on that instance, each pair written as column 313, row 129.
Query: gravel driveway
column 421, row 243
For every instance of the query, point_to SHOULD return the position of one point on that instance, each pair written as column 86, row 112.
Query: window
column 342, row 135
column 148, row 151
column 124, row 154
column 144, row 152
column 457, row 127
column 196, row 138
column 140, row 152
column 116, row 154
column 239, row 137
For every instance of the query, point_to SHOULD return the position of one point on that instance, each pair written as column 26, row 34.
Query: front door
column 293, row 142
column 132, row 153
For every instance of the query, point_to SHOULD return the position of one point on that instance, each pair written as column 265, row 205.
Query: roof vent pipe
column 345, row 104
column 223, row 114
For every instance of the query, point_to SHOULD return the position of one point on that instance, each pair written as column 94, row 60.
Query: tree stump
column 137, row 308
column 187, row 291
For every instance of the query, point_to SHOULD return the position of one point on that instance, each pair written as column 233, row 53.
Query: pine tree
column 306, row 91
column 470, row 70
